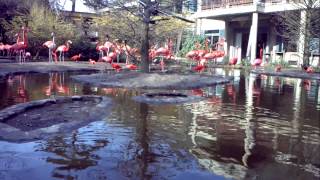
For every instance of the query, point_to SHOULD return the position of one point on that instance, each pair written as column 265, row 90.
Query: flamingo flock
column 202, row 56
column 111, row 52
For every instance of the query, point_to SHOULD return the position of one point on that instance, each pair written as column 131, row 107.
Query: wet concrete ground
column 45, row 67
column 138, row 80
column 289, row 73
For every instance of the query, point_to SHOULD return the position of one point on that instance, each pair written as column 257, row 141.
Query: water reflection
column 71, row 154
column 267, row 132
column 254, row 127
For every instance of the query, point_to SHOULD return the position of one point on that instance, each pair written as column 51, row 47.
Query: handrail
column 216, row 4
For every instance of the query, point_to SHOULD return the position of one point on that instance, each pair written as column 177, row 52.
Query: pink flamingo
column 116, row 67
column 258, row 61
column 199, row 68
column 233, row 61
column 63, row 49
column 162, row 52
column 277, row 68
column 198, row 54
column 131, row 66
column 101, row 49
column 108, row 45
column 76, row 58
column 92, row 61
column 51, row 45
column 128, row 50
column 20, row 47
column 2, row 48
column 107, row 59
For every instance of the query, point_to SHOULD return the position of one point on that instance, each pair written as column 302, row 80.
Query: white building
column 246, row 26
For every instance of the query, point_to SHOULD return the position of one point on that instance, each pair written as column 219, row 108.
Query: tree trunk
column 145, row 39
column 179, row 41
column 73, row 5
column 307, row 38
column 145, row 49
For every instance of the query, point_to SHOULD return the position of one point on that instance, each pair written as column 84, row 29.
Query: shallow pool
column 257, row 127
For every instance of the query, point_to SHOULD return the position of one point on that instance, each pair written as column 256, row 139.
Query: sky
column 80, row 7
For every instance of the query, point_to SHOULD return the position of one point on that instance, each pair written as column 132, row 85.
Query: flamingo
column 108, row 45
column 310, row 70
column 28, row 55
column 20, row 47
column 2, row 48
column 116, row 67
column 233, row 61
column 101, row 49
column 63, row 49
column 107, row 59
column 76, row 58
column 127, row 49
column 163, row 52
column 51, row 45
column 199, row 68
column 278, row 68
column 92, row 61
column 152, row 53
column 198, row 54
column 131, row 66
column 257, row 62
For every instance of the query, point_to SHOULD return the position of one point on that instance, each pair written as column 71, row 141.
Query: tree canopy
column 142, row 21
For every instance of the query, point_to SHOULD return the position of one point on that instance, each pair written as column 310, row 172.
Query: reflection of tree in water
column 143, row 140
column 70, row 154
column 137, row 153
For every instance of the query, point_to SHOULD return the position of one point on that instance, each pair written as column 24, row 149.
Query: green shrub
column 245, row 62
column 189, row 44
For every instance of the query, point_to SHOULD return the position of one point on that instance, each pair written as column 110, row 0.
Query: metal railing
column 214, row 4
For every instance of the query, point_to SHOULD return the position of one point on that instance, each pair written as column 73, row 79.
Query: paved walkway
column 46, row 67
column 288, row 73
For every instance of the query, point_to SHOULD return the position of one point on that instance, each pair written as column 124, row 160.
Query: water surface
column 257, row 127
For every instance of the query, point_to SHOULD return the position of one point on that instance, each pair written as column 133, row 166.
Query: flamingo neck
column 25, row 37
column 67, row 46
column 18, row 38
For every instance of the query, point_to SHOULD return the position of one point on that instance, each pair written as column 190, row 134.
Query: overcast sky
column 80, row 7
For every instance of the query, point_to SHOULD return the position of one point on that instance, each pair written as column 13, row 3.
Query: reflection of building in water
column 232, row 139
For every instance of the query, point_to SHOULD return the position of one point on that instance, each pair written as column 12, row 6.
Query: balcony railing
column 213, row 4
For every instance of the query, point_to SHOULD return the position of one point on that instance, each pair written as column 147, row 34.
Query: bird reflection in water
column 56, row 84
column 22, row 93
column 72, row 154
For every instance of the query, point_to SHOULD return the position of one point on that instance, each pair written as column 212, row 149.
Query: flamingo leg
column 162, row 64
column 62, row 57
column 23, row 56
column 50, row 55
